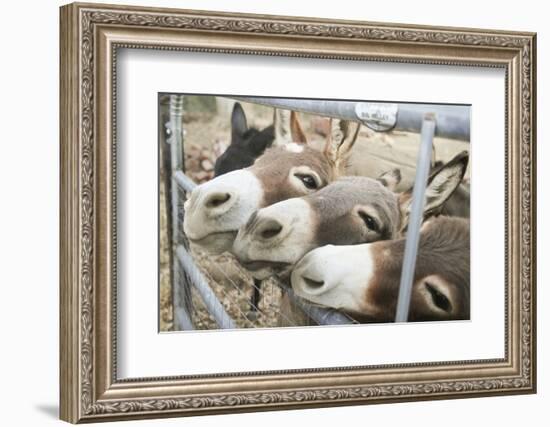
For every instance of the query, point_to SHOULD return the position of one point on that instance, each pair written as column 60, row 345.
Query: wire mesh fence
column 218, row 292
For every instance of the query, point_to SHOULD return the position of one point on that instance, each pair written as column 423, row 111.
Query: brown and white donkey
column 364, row 279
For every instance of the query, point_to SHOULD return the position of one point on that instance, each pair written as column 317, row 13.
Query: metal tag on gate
column 378, row 117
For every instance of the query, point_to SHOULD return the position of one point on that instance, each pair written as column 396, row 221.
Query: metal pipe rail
column 184, row 182
column 320, row 315
column 415, row 219
column 452, row 121
column 181, row 298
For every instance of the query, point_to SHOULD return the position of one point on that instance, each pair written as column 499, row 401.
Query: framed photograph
column 267, row 212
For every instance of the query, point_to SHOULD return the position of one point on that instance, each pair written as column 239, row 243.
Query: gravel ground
column 233, row 287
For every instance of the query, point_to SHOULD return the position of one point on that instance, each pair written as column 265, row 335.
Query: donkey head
column 351, row 210
column 364, row 279
column 216, row 209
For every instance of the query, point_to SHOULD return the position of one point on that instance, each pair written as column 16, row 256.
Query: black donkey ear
column 262, row 140
column 238, row 122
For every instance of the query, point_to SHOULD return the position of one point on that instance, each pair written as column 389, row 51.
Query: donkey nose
column 312, row 284
column 308, row 284
column 218, row 202
column 268, row 229
column 215, row 203
column 308, row 279
column 217, row 199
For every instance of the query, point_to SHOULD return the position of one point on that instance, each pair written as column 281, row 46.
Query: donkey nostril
column 217, row 199
column 314, row 284
column 268, row 234
column 270, row 230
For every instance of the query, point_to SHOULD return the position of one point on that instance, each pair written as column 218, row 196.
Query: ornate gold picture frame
column 91, row 35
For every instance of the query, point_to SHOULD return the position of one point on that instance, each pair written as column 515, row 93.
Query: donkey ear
column 262, row 140
column 281, row 126
column 287, row 128
column 390, row 179
column 442, row 183
column 238, row 122
column 296, row 132
column 342, row 137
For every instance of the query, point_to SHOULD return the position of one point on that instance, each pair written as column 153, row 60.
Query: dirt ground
column 207, row 134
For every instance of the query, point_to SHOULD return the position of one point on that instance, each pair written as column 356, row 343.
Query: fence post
column 415, row 218
column 181, row 292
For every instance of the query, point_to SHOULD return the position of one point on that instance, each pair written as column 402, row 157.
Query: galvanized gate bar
column 182, row 319
column 320, row 315
column 415, row 219
column 211, row 301
column 181, row 292
column 185, row 183
column 453, row 121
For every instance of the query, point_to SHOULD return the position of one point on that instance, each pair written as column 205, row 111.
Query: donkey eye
column 369, row 221
column 439, row 299
column 308, row 180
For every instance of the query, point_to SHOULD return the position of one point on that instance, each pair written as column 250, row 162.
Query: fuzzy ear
column 262, row 140
column 281, row 126
column 390, row 179
column 342, row 137
column 287, row 128
column 238, row 123
column 442, row 183
column 296, row 132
